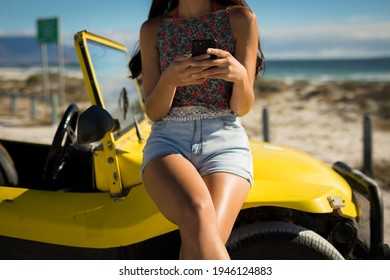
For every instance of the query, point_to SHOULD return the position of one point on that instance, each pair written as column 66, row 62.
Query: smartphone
column 200, row 46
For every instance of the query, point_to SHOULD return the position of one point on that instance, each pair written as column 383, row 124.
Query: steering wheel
column 64, row 138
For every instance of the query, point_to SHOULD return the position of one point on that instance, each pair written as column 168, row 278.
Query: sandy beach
column 323, row 119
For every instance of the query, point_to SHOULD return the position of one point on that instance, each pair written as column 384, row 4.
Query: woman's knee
column 197, row 214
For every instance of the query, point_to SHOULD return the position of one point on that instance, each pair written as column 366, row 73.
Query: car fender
column 89, row 220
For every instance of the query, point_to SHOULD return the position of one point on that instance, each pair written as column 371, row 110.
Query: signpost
column 48, row 32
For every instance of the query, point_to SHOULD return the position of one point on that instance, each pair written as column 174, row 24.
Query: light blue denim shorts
column 211, row 145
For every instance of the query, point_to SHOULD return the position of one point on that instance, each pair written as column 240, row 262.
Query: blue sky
column 289, row 29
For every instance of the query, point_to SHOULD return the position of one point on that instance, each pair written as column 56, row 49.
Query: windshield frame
column 118, row 94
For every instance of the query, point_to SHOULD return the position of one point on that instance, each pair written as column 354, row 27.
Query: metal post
column 367, row 145
column 61, row 78
column 265, row 125
column 54, row 108
column 45, row 71
column 33, row 108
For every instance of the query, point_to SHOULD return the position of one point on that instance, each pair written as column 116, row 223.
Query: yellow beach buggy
column 82, row 196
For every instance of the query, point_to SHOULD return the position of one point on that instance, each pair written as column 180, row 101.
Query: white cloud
column 27, row 32
column 353, row 38
column 361, row 18
column 330, row 30
column 126, row 37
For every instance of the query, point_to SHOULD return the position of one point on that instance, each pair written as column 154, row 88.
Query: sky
column 288, row 29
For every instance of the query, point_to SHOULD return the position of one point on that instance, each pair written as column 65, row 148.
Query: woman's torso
column 211, row 98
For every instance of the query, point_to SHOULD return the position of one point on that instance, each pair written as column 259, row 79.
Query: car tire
column 279, row 241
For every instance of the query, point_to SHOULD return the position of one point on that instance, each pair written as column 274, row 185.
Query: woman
column 197, row 164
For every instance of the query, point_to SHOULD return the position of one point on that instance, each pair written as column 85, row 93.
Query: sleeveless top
column 211, row 98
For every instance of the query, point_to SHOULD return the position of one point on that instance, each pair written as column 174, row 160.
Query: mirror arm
column 137, row 129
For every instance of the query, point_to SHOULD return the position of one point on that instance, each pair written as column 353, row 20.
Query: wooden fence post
column 367, row 145
column 13, row 103
column 54, row 108
column 265, row 120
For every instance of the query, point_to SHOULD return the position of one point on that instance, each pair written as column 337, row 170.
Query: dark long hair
column 161, row 7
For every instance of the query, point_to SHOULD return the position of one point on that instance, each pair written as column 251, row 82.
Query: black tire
column 279, row 241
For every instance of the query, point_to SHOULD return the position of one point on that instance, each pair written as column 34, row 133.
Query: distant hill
column 27, row 51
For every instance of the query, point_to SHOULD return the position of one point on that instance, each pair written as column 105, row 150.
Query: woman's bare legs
column 228, row 193
column 183, row 198
column 187, row 199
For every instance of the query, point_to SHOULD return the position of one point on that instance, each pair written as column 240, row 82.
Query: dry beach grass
column 322, row 119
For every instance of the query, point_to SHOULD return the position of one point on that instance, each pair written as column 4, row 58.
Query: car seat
column 8, row 174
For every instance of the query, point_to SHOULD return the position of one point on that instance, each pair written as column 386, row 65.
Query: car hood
column 285, row 177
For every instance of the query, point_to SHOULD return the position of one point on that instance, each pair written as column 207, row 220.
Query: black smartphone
column 200, row 46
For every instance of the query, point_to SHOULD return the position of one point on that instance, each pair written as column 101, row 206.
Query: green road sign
column 47, row 30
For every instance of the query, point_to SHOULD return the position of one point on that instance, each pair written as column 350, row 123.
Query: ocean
column 377, row 69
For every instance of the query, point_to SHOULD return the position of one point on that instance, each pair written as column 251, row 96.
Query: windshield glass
column 118, row 92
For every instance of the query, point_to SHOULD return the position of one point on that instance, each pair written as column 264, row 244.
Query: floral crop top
column 211, row 98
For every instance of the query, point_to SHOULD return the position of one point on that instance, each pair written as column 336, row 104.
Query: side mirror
column 94, row 123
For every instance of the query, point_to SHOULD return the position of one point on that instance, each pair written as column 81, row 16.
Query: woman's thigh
column 228, row 192
column 176, row 186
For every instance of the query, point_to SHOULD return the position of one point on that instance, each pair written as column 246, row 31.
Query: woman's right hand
column 182, row 72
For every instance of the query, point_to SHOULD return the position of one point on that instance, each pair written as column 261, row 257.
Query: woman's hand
column 230, row 69
column 185, row 70
column 180, row 72
column 225, row 67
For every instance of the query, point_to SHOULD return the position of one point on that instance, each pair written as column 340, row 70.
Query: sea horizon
column 316, row 70
column 337, row 69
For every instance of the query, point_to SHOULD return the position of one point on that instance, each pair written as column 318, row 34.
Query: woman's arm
column 159, row 88
column 245, row 31
column 158, row 92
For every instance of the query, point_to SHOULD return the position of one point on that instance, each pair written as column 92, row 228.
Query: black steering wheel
column 64, row 138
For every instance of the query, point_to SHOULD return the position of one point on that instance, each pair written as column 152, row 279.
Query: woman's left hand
column 225, row 67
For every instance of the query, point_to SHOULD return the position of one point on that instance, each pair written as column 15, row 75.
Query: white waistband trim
column 195, row 113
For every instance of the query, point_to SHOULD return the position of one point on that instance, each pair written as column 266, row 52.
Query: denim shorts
column 211, row 145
